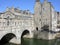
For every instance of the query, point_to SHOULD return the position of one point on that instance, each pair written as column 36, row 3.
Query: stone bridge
column 14, row 25
column 14, row 36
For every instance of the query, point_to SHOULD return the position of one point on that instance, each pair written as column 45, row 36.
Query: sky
column 25, row 4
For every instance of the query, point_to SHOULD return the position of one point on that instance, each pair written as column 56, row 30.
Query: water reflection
column 40, row 42
column 37, row 42
column 11, row 44
column 57, row 42
column 34, row 42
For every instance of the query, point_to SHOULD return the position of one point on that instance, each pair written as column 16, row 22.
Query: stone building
column 58, row 21
column 13, row 17
column 45, row 15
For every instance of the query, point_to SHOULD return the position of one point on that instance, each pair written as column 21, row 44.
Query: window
column 40, row 20
column 43, row 8
column 37, row 28
column 58, row 22
column 24, row 12
column 40, row 13
column 46, row 19
column 7, row 22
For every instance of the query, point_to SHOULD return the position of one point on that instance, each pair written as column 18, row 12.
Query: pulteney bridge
column 14, row 25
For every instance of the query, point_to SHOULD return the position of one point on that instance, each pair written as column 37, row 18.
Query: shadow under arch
column 24, row 33
column 6, row 38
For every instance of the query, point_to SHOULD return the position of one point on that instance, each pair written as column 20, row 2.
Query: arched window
column 37, row 28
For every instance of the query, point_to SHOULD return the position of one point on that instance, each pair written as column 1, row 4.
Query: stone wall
column 44, row 35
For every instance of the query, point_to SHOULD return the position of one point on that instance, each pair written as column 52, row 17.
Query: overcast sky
column 25, row 4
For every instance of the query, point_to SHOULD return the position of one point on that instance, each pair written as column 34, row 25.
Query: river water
column 37, row 42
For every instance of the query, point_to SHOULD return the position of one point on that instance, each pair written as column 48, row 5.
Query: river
column 37, row 42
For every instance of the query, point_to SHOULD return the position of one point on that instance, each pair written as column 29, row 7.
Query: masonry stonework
column 42, row 24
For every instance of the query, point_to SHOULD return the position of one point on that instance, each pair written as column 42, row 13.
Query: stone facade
column 16, row 21
column 58, row 19
column 45, row 15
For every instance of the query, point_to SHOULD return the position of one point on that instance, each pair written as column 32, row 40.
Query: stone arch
column 6, row 38
column 24, row 33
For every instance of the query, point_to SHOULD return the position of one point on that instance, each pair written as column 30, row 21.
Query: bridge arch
column 6, row 38
column 24, row 33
